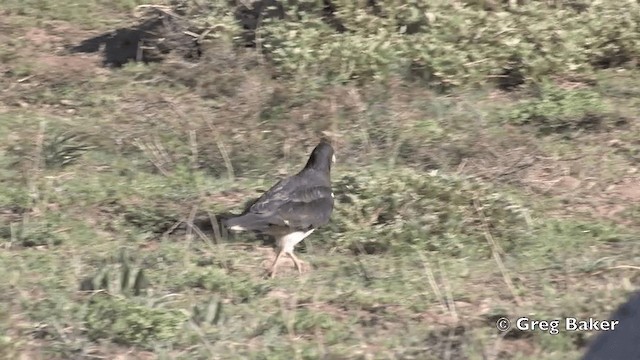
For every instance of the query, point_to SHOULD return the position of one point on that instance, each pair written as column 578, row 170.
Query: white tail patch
column 289, row 241
column 237, row 228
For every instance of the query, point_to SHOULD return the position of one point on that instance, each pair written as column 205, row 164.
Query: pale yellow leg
column 296, row 262
column 275, row 262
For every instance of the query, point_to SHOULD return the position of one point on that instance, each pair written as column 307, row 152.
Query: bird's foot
column 270, row 273
column 304, row 267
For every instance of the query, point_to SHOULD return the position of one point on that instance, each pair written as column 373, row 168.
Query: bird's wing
column 296, row 202
column 308, row 207
column 271, row 200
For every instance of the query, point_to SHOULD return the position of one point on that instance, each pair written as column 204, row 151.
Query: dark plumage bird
column 294, row 207
column 623, row 342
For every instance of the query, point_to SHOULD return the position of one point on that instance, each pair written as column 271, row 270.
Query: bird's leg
column 296, row 261
column 275, row 262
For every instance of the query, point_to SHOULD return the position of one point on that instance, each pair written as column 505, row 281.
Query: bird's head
column 322, row 157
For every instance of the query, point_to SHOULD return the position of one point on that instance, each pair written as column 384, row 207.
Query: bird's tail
column 247, row 222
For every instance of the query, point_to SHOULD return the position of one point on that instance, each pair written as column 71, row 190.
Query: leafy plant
column 209, row 313
column 121, row 278
column 127, row 322
column 403, row 210
column 29, row 233
column 449, row 45
column 556, row 110
column 63, row 149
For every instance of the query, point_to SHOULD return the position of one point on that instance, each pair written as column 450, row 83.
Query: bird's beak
column 333, row 158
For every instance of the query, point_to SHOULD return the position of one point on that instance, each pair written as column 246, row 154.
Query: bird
column 622, row 341
column 294, row 207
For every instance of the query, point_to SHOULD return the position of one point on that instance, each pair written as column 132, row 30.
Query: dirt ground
column 596, row 180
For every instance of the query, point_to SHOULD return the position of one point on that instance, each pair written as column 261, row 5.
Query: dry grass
column 170, row 145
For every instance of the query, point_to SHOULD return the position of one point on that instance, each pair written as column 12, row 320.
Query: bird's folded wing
column 306, row 208
column 271, row 200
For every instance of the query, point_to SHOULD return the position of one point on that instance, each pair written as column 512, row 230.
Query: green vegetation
column 556, row 110
column 487, row 167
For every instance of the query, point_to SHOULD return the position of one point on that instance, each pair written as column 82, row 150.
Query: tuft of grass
column 404, row 210
column 557, row 110
column 126, row 322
